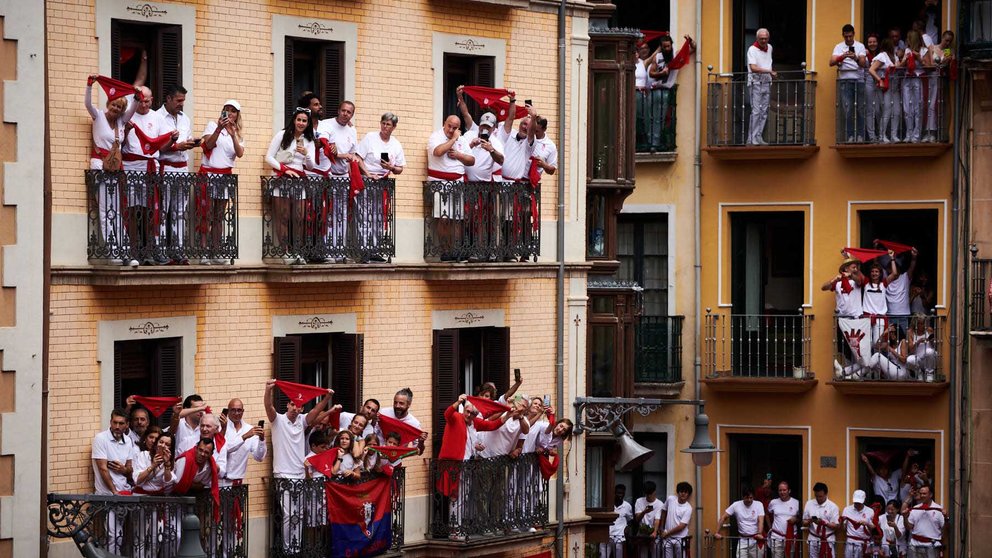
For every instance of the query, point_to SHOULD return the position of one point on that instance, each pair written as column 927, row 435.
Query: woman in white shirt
column 881, row 69
column 290, row 153
column 873, row 95
column 643, row 83
column 922, row 357
column 942, row 54
column 153, row 475
column 914, row 59
column 890, row 358
column 223, row 143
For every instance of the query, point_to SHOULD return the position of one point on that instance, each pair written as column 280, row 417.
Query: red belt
column 212, row 170
column 857, row 538
column 923, row 539
column 236, row 482
column 99, row 153
column 139, row 490
column 174, row 164
column 134, row 157
column 441, row 175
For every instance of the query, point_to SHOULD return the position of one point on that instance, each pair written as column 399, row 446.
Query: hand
column 549, row 410
column 759, row 537
column 91, row 78
column 300, row 148
column 516, row 453
column 336, row 408
column 130, row 401
column 158, row 460
column 456, row 135
column 914, row 252
column 423, row 438
column 654, row 534
column 474, row 143
column 223, row 121
column 222, row 419
column 479, row 446
column 717, row 536
column 774, row 74
column 511, row 93
column 177, row 408
column 892, row 254
column 175, row 135
column 293, row 173
column 270, row 383
column 116, row 466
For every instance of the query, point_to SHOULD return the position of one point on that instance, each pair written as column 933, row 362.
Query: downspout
column 560, row 299
column 46, row 299
column 697, row 363
column 953, row 339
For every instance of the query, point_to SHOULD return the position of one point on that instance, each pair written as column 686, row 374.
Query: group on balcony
column 655, row 75
column 884, row 326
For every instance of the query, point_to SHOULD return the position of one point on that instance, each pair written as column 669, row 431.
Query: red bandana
column 408, row 434
column 299, row 394
column 758, row 45
column 157, row 405
column 492, row 99
column 115, row 89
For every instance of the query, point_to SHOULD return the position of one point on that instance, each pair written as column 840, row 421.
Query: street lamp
column 701, row 448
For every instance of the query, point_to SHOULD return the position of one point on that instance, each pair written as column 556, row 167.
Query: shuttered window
column 162, row 44
column 317, row 66
column 460, row 69
column 150, row 367
column 332, row 360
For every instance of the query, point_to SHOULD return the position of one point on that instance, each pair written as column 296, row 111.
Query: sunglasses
column 301, row 109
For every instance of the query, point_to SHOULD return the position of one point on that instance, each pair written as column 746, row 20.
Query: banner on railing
column 360, row 516
column 857, row 334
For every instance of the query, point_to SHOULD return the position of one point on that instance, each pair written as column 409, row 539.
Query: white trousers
column 760, row 92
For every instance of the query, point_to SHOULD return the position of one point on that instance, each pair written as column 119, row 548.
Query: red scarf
column 115, row 89
column 299, row 394
column 190, row 470
column 324, row 461
column 826, row 549
column 758, row 45
column 681, row 58
column 489, row 98
column 156, row 405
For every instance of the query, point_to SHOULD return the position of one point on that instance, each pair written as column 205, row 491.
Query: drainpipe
column 560, row 254
column 46, row 303
column 953, row 339
column 697, row 363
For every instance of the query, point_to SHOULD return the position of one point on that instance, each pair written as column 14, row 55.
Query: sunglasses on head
column 301, row 109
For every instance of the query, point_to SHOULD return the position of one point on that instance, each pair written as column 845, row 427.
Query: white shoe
column 133, row 263
column 205, row 261
column 930, row 376
column 838, row 370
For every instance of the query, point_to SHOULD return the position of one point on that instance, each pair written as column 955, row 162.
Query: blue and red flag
column 360, row 516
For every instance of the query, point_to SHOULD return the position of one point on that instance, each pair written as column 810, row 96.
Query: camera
column 484, row 137
column 223, row 114
column 850, row 49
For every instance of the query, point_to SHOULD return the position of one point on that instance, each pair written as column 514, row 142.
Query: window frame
column 155, row 385
column 446, row 43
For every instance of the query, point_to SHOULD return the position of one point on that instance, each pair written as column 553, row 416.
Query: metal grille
column 981, row 309
column 922, row 336
column 658, row 354
column 757, row 345
column 655, row 113
column 913, row 109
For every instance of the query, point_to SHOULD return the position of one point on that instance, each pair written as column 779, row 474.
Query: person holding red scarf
column 925, row 523
column 821, row 516
column 781, row 519
column 881, row 70
column 846, row 286
column 860, row 525
column 448, row 153
column 663, row 72
column 759, row 84
column 291, row 152
column 750, row 518
column 223, row 144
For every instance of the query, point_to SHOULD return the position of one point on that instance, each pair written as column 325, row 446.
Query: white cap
column 233, row 103
column 859, row 497
column 488, row 119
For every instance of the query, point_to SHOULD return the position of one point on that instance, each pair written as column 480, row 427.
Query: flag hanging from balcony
column 156, row 405
column 115, row 89
column 360, row 516
column 299, row 394
column 896, row 247
column 487, row 407
column 407, row 433
column 491, row 99
column 857, row 335
column 865, row 255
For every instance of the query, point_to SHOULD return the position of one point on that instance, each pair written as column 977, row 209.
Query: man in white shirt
column 175, row 159
column 382, row 157
column 925, row 523
column 849, row 56
column 897, row 295
column 401, row 411
column 343, row 139
column 759, row 83
column 750, row 518
column 647, row 511
column 885, row 482
column 858, row 519
column 783, row 514
column 186, row 423
column 821, row 517
column 846, row 286
column 674, row 522
column 210, row 428
column 242, row 440
column 112, row 455
column 448, row 153
column 618, row 530
column 138, row 420
column 370, row 411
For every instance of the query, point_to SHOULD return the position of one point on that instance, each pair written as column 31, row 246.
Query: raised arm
column 912, row 264
column 511, row 113
column 88, row 98
column 142, row 75
column 443, row 148
column 320, row 406
column 270, row 408
column 867, row 462
column 463, row 108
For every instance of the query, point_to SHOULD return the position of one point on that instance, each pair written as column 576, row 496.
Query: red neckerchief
column 762, row 48
column 190, row 470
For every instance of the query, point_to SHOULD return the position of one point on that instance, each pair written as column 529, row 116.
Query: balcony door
column 786, row 24
column 914, row 227
column 151, row 367
column 328, row 360
column 161, row 43
column 753, row 457
column 314, row 65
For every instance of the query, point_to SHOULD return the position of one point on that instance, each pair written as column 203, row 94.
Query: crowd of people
column 655, row 76
column 652, row 527
column 885, row 326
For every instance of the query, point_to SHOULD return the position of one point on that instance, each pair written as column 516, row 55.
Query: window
column 462, row 69
column 916, row 455
column 641, row 14
column 314, row 65
column 913, row 227
column 598, row 491
column 642, row 248
column 162, row 44
column 767, row 256
column 654, row 469
column 786, row 23
column 151, row 367
column 882, row 15
column 330, row 360
column 755, row 456
column 464, row 359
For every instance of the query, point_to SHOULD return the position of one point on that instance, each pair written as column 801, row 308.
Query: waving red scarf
column 115, row 89
column 896, row 247
column 190, row 469
column 650, row 36
column 681, row 58
column 408, row 434
column 864, row 254
column 299, row 394
column 324, row 461
column 492, row 99
column 487, row 406
column 156, row 405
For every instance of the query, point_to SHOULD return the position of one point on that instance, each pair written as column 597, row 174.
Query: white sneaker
column 133, row 263
column 838, row 370
column 205, row 261
column 930, row 376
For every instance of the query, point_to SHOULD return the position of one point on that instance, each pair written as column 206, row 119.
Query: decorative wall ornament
column 316, row 28
column 470, row 318
column 147, row 11
column 148, row 328
column 470, row 45
column 316, row 323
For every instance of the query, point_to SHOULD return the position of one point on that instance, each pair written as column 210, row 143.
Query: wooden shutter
column 346, row 371
column 446, row 379
column 168, row 372
column 115, row 49
column 290, row 101
column 496, row 357
column 286, row 354
column 484, row 71
column 333, row 78
column 170, row 59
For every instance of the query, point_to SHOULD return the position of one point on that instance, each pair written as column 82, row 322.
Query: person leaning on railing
column 849, row 56
column 881, row 70
column 922, row 359
column 290, row 153
column 750, row 517
column 676, row 513
column 759, row 83
column 942, row 56
column 663, row 72
column 915, row 58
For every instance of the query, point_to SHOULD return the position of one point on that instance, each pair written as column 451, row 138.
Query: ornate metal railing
column 486, row 497
column 148, row 218
column 866, row 114
column 656, row 112
column 787, row 117
column 799, row 547
column 981, row 295
column 322, row 220
column 300, row 528
column 149, row 526
column 921, row 336
column 481, row 221
column 757, row 345
column 658, row 349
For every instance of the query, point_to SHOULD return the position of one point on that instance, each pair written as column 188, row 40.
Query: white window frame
column 445, row 43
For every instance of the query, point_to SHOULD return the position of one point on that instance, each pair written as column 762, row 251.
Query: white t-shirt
column 408, row 418
column 344, row 138
column 152, row 126
column 502, row 440
column 238, row 450
column 516, row 154
column 918, row 70
column 322, row 162
column 156, row 481
column 444, row 163
column 669, row 81
column 897, row 295
column 624, row 515
column 178, row 122
column 887, row 488
column 103, row 132
column 288, row 446
column 372, row 148
column 761, row 59
column 641, row 78
column 485, row 166
column 827, row 511
column 532, row 438
column 299, row 161
column 884, row 62
column 781, row 512
column 547, row 151
column 748, row 517
column 222, row 156
column 653, row 512
column 345, row 421
column 874, row 300
column 849, row 68
column 106, row 447
column 677, row 514
column 926, row 523
column 857, row 532
column 186, row 436
column 848, row 304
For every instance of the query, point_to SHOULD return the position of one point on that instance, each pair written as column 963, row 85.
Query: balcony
column 883, row 372
column 470, row 514
column 173, row 218
column 309, row 221
column 788, row 130
column 150, row 525
column 481, row 221
column 871, row 123
column 757, row 352
column 299, row 526
column 658, row 355
column 728, row 546
column 981, row 302
column 655, row 139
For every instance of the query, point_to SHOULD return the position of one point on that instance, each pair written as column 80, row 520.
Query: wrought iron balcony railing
column 314, row 220
column 981, row 295
column 656, row 112
column 757, row 345
column 481, row 221
column 784, row 115
column 912, row 353
column 176, row 217
column 149, row 526
column 486, row 497
column 798, row 547
column 913, row 109
column 299, row 525
column 658, row 349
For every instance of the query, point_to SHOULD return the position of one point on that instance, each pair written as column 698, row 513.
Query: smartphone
column 516, row 374
column 384, row 157
column 528, row 102
column 261, row 424
column 547, row 400
column 197, row 142
column 223, row 114
column 850, row 49
column 224, row 411
column 484, row 137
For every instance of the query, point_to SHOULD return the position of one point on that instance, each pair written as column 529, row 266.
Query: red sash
column 789, row 535
column 100, row 153
column 190, row 470
column 534, row 177
column 759, row 543
column 441, row 175
column 202, row 198
column 826, row 549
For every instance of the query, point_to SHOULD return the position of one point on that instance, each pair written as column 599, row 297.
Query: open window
column 882, row 15
column 464, row 359
column 465, row 69
column 913, row 227
column 786, row 24
column 314, row 65
column 151, row 367
column 642, row 249
column 753, row 457
column 909, row 455
column 642, row 14
column 328, row 360
column 162, row 44
column 767, row 261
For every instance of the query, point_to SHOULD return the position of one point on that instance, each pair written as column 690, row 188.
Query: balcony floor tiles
column 750, row 384
column 889, row 150
column 895, row 389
